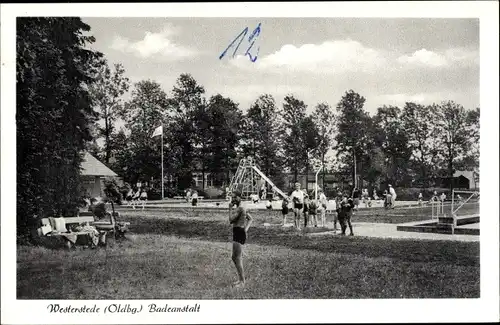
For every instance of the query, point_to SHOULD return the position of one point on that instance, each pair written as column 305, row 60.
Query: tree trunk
column 450, row 172
column 354, row 167
column 107, row 150
column 323, row 169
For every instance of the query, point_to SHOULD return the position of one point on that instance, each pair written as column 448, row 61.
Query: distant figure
column 254, row 198
column 460, row 199
column 188, row 195
column 313, row 212
column 346, row 208
column 263, row 192
column 420, row 198
column 387, row 200
column 297, row 198
column 366, row 198
column 135, row 198
column 269, row 206
column 322, row 205
column 336, row 217
column 194, row 198
column 306, row 208
column 375, row 195
column 129, row 196
column 144, row 197
column 393, row 196
column 284, row 210
column 443, row 197
column 434, row 196
column 355, row 196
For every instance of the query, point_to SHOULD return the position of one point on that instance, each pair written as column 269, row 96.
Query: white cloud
column 424, row 98
column 153, row 44
column 252, row 92
column 428, row 58
column 393, row 99
column 327, row 57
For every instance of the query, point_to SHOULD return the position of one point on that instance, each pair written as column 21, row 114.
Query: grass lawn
column 176, row 256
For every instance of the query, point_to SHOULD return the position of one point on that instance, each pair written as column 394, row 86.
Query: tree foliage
column 143, row 113
column 107, row 94
column 353, row 138
column 54, row 111
column 262, row 137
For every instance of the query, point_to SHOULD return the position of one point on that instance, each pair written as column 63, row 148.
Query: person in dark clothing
column 346, row 207
column 356, row 194
column 284, row 210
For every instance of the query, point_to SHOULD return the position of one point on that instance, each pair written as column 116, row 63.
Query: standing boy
column 297, row 198
column 241, row 222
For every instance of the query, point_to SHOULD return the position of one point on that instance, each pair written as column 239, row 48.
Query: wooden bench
column 104, row 227
column 183, row 198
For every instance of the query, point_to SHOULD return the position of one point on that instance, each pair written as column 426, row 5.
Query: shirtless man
column 240, row 221
column 297, row 198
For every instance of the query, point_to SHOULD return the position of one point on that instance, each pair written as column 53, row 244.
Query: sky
column 387, row 60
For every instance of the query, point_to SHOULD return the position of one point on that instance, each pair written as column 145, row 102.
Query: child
column 313, row 207
column 269, row 206
column 306, row 209
column 420, row 198
column 347, row 206
column 284, row 210
column 135, row 198
column 194, row 199
column 322, row 207
column 144, row 197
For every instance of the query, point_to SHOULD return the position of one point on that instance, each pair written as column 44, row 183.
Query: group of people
column 192, row 196
column 136, row 197
column 308, row 209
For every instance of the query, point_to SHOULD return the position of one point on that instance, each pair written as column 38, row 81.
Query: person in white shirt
column 135, row 198
column 393, row 196
column 322, row 207
column 143, row 197
column 194, row 198
column 297, row 198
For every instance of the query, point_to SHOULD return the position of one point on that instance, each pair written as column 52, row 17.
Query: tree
column 353, row 124
column 454, row 123
column 144, row 112
column 262, row 137
column 294, row 112
column 311, row 141
column 225, row 120
column 107, row 93
column 393, row 141
column 188, row 128
column 324, row 119
column 419, row 123
column 54, row 112
column 470, row 161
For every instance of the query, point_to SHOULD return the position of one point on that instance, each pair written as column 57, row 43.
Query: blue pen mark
column 251, row 39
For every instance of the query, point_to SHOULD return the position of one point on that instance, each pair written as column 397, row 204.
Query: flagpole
column 162, row 180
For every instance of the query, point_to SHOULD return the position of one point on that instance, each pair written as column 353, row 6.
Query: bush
column 213, row 193
column 411, row 193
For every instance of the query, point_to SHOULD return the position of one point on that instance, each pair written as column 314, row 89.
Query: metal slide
column 274, row 187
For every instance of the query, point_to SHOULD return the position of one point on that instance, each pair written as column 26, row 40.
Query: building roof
column 466, row 173
column 93, row 167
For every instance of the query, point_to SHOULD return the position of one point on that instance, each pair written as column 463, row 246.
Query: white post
column 316, row 184
column 162, row 180
column 452, row 201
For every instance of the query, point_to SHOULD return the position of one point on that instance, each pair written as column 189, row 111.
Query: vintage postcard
column 250, row 163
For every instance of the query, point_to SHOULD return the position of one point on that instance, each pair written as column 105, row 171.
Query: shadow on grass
column 449, row 252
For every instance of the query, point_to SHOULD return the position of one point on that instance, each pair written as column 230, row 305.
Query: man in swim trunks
column 241, row 221
column 297, row 198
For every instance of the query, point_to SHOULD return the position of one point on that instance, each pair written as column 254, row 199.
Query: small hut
column 93, row 174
